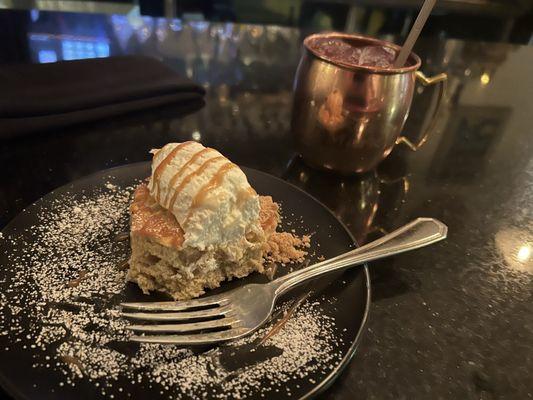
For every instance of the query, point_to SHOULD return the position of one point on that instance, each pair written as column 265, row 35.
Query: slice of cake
column 196, row 223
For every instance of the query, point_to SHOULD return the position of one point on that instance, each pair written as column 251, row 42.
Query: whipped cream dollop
column 208, row 194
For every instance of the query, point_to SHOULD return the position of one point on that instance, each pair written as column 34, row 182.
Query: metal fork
column 237, row 313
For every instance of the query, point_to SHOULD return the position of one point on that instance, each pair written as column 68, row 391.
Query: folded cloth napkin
column 45, row 96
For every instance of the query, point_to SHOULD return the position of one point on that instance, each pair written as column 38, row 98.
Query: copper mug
column 348, row 118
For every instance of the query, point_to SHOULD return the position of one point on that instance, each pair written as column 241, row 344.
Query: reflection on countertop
column 450, row 321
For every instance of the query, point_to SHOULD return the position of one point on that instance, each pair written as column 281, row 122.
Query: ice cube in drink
column 338, row 50
column 377, row 56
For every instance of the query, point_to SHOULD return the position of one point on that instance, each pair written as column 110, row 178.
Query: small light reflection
column 256, row 31
column 524, row 253
column 303, row 177
column 485, row 79
column 199, row 26
column 47, row 56
column 516, row 248
column 161, row 30
column 34, row 15
column 176, row 25
column 196, row 136
column 223, row 93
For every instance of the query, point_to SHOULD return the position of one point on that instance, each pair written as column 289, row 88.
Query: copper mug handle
column 440, row 79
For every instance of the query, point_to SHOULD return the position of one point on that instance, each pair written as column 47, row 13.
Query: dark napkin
column 44, row 96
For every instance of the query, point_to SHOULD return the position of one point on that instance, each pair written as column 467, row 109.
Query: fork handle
column 418, row 233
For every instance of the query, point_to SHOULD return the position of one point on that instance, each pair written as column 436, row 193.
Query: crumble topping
column 286, row 247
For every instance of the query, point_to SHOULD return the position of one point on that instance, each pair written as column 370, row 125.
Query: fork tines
column 190, row 321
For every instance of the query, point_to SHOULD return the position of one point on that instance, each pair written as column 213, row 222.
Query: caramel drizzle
column 215, row 181
column 188, row 178
column 184, row 167
column 163, row 164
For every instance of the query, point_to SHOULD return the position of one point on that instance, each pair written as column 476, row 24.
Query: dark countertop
column 453, row 321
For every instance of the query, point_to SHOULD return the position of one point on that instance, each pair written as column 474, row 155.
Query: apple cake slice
column 196, row 223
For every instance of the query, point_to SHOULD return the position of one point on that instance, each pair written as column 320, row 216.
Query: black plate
column 345, row 297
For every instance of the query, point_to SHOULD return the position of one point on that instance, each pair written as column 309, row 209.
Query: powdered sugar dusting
column 60, row 304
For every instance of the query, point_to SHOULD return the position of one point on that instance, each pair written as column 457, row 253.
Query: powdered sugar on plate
column 63, row 286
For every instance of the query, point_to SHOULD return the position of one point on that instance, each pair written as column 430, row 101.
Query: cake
column 196, row 223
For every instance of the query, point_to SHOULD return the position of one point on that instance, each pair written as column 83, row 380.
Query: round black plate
column 345, row 297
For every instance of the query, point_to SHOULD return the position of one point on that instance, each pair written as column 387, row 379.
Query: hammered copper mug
column 348, row 118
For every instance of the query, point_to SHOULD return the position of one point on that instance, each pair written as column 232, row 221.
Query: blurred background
column 483, row 20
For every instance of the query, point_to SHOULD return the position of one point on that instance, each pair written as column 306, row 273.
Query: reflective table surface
column 453, row 321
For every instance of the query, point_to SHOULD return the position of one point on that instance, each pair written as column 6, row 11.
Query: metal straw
column 413, row 34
